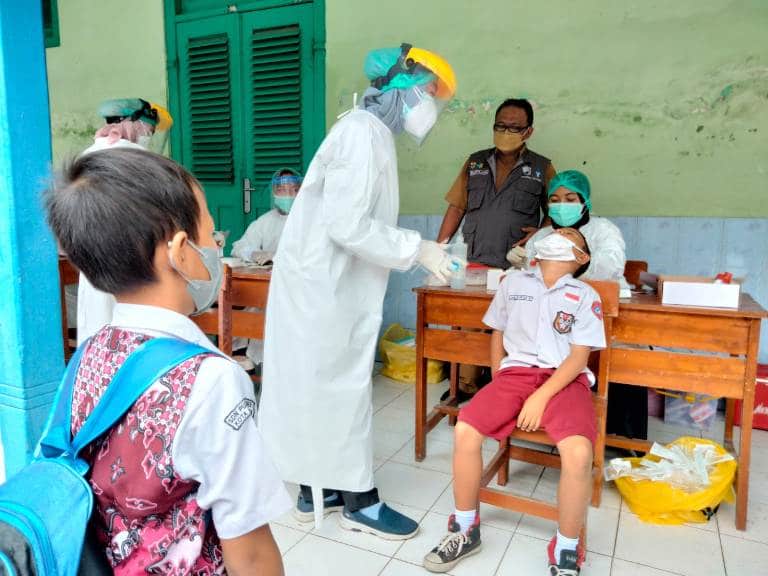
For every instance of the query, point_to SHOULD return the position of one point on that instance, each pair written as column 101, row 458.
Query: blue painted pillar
column 31, row 354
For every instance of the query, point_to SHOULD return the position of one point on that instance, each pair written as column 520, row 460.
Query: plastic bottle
column 459, row 272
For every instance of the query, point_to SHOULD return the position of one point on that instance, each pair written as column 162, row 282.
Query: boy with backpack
column 545, row 323
column 182, row 482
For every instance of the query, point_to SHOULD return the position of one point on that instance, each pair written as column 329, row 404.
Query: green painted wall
column 109, row 49
column 664, row 104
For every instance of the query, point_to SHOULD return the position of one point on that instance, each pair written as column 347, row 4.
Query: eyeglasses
column 501, row 127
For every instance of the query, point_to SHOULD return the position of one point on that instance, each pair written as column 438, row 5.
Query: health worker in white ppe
column 327, row 291
column 569, row 205
column 259, row 243
column 129, row 123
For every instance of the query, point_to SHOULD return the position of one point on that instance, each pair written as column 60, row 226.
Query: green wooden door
column 278, row 90
column 249, row 100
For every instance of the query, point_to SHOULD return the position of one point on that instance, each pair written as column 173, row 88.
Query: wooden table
column 244, row 286
column 718, row 357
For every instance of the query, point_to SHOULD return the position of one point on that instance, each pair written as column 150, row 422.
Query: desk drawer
column 668, row 329
column 456, row 311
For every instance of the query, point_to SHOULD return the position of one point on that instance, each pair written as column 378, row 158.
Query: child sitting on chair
column 545, row 323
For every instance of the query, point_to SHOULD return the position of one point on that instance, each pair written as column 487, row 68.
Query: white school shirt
column 541, row 323
column 217, row 442
column 262, row 235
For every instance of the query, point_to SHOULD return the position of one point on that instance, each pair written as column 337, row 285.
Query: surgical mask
column 506, row 142
column 566, row 213
column 555, row 247
column 284, row 203
column 203, row 292
column 420, row 119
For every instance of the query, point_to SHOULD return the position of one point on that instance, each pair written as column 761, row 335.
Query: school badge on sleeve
column 564, row 322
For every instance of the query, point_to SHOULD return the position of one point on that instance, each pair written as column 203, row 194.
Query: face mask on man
column 506, row 142
column 555, row 247
column 284, row 203
column 566, row 213
column 203, row 292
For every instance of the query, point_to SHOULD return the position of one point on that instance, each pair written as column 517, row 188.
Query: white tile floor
column 514, row 545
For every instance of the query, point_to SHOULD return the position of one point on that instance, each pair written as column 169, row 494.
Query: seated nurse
column 570, row 206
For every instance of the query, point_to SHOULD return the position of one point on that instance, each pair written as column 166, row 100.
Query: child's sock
column 465, row 518
column 564, row 543
column 371, row 511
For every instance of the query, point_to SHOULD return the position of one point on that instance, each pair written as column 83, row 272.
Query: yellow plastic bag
column 658, row 502
column 398, row 352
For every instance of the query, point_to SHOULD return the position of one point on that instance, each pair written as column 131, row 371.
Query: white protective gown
column 94, row 307
column 325, row 308
column 262, row 235
column 606, row 244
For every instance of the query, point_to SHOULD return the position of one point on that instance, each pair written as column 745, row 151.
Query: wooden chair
column 228, row 319
column 68, row 276
column 499, row 464
column 632, row 270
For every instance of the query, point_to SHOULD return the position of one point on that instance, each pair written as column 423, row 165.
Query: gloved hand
column 260, row 257
column 517, row 257
column 435, row 259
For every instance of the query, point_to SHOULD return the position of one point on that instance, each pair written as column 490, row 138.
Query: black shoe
column 453, row 547
column 461, row 396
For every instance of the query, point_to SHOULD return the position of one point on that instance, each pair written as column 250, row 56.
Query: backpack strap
column 148, row 363
column 144, row 366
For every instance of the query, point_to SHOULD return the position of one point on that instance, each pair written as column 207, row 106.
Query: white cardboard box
column 698, row 291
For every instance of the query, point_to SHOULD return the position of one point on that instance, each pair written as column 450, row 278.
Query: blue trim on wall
column 31, row 355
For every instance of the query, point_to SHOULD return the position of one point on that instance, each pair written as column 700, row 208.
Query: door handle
column 247, row 195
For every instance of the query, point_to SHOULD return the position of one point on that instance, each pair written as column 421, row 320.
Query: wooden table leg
column 745, row 442
column 421, row 384
column 730, row 411
column 453, row 389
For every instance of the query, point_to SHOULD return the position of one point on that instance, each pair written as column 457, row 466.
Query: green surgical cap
column 378, row 62
column 130, row 108
column 575, row 181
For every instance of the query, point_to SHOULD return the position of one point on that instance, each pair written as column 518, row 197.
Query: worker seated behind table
column 500, row 192
column 569, row 204
column 259, row 244
column 545, row 323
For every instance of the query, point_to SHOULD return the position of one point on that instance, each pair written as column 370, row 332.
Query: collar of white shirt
column 567, row 280
column 156, row 321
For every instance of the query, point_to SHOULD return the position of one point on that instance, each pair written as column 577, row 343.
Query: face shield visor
column 144, row 123
column 285, row 188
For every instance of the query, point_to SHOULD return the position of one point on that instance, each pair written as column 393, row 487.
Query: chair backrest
column 632, row 270
column 609, row 297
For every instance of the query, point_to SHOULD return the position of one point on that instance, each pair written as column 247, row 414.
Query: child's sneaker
column 570, row 560
column 389, row 525
column 305, row 511
column 454, row 547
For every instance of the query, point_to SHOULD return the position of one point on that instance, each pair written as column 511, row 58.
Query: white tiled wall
column 700, row 246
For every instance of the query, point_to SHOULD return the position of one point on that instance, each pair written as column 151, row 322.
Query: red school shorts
column 493, row 410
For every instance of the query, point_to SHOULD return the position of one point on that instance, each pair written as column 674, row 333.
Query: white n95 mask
column 555, row 247
column 420, row 116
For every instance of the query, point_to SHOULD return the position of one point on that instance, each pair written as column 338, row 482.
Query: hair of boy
column 109, row 210
column 521, row 103
column 583, row 268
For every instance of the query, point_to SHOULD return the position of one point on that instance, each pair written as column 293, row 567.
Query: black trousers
column 627, row 411
column 353, row 501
